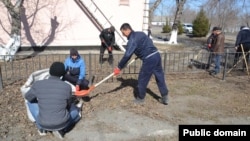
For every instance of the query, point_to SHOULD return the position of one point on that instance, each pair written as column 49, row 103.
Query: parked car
column 187, row 28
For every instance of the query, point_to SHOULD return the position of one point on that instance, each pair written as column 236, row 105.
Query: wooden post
column 1, row 80
column 244, row 56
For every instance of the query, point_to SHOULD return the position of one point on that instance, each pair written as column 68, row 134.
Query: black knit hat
column 216, row 28
column 73, row 51
column 241, row 27
column 57, row 69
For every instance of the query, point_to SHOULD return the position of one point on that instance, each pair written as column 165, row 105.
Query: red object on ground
column 83, row 93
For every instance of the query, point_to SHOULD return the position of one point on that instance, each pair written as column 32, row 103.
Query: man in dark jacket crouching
column 51, row 103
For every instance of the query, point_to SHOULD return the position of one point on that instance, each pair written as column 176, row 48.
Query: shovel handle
column 103, row 80
column 112, row 74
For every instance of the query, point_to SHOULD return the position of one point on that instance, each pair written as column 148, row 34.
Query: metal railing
column 173, row 63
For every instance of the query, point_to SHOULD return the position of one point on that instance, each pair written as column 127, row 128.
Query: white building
column 75, row 22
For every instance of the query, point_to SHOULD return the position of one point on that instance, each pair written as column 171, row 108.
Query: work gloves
column 117, row 71
column 110, row 48
column 77, row 88
column 209, row 45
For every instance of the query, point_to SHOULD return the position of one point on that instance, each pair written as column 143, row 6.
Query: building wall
column 73, row 26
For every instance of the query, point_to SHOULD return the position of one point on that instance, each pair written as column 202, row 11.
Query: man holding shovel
column 142, row 46
column 243, row 39
column 107, row 37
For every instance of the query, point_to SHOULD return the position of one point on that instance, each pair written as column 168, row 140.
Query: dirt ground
column 110, row 115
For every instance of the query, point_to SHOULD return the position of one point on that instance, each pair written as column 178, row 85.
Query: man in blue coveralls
column 142, row 46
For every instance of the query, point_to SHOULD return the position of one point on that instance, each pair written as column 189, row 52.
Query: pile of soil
column 110, row 115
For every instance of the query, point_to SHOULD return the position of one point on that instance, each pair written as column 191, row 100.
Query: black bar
column 214, row 132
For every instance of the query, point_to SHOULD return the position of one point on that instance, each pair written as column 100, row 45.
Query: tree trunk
column 7, row 53
column 177, row 19
column 151, row 11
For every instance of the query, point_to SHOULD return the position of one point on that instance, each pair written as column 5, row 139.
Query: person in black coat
column 107, row 37
column 243, row 38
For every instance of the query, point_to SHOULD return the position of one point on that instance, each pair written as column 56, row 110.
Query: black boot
column 164, row 100
column 101, row 59
column 110, row 59
column 138, row 100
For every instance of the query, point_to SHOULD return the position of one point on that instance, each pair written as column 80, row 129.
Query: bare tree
column 245, row 17
column 26, row 13
column 15, row 34
column 186, row 15
column 178, row 14
column 223, row 13
column 227, row 13
column 14, row 11
column 177, row 20
column 152, row 9
column 210, row 9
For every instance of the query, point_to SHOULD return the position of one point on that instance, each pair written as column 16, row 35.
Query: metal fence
column 193, row 62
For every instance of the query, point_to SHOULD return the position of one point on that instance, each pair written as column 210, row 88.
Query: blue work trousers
column 74, row 115
column 151, row 65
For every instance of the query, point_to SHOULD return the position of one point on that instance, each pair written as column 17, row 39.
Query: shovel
column 83, row 93
column 243, row 58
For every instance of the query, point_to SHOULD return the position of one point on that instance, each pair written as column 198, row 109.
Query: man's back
column 243, row 36
column 219, row 43
column 142, row 44
column 53, row 96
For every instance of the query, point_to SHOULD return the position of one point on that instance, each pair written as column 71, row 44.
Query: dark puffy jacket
column 210, row 39
column 108, row 37
column 140, row 45
column 54, row 99
column 243, row 36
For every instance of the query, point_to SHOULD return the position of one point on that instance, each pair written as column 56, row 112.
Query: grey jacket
column 54, row 99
